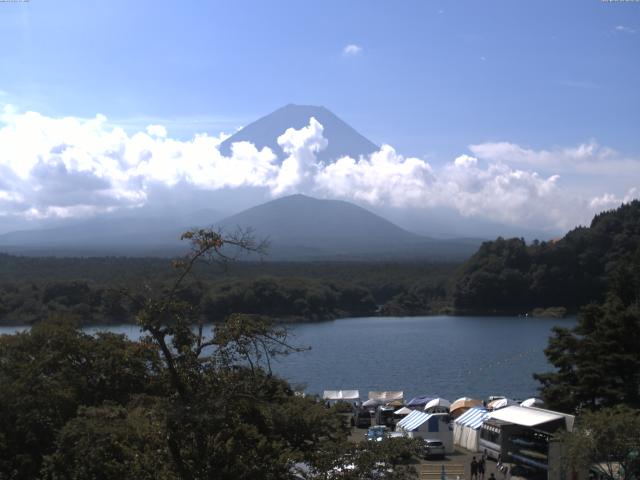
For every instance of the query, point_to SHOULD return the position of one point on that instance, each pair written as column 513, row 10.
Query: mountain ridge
column 343, row 139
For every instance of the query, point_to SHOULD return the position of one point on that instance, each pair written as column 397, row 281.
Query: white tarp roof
column 341, row 395
column 403, row 411
column 438, row 402
column 386, row 397
column 501, row 403
column 413, row 420
column 569, row 419
column 526, row 416
column 532, row 402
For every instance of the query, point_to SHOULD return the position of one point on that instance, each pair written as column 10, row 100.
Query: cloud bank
column 65, row 167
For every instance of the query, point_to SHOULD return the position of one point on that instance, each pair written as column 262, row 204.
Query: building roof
column 526, row 416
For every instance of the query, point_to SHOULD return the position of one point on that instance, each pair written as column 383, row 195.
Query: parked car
column 377, row 432
column 432, row 448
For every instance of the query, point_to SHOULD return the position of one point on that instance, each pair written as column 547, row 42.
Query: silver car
column 433, row 448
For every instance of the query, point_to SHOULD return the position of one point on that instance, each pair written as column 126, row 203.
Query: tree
column 111, row 441
column 598, row 362
column 226, row 415
column 47, row 373
column 609, row 438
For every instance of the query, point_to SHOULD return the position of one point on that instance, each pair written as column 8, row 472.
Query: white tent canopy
column 438, row 404
column 501, row 403
column 386, row 396
column 347, row 395
column 403, row 411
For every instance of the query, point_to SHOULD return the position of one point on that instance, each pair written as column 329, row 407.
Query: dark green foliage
column 507, row 276
column 47, row 373
column 108, row 442
column 290, row 291
column 282, row 298
column 598, row 362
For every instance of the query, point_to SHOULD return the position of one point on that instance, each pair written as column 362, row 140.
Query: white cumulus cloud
column 65, row 167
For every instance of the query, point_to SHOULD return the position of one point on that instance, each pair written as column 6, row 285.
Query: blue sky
column 431, row 78
column 538, row 81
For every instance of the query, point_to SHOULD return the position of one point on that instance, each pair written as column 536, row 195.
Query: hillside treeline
column 316, row 292
column 510, row 276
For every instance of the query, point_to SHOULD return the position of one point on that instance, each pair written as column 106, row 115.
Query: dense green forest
column 92, row 289
column 505, row 276
column 509, row 276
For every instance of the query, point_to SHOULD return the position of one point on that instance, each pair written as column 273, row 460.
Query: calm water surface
column 445, row 356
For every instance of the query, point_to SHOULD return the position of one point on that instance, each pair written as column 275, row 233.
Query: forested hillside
column 510, row 276
column 93, row 289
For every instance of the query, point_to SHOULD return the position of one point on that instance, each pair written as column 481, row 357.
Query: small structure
column 466, row 428
column 428, row 425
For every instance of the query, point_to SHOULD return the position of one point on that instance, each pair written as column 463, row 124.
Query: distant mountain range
column 298, row 228
column 264, row 132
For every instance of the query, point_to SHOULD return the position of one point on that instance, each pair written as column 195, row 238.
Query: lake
column 435, row 355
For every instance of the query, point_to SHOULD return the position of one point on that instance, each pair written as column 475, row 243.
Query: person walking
column 481, row 468
column 474, row 469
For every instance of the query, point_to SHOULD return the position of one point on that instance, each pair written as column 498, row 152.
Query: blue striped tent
column 473, row 418
column 415, row 420
column 428, row 425
column 466, row 426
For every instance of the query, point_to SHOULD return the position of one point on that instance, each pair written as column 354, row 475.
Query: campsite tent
column 463, row 404
column 466, row 428
column 428, row 425
column 501, row 403
column 437, row 405
column 420, row 402
column 344, row 395
column 386, row 398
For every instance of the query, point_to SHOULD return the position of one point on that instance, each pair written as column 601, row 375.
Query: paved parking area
column 457, row 464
